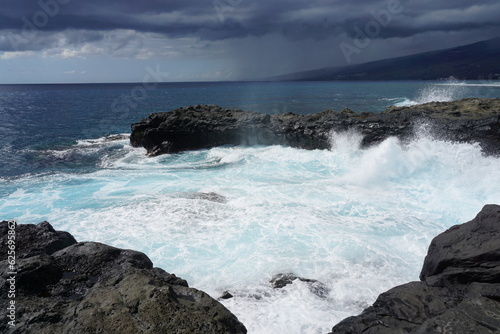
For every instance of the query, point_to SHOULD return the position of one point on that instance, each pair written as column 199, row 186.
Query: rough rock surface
column 202, row 126
column 281, row 280
column 67, row 287
column 459, row 291
column 36, row 239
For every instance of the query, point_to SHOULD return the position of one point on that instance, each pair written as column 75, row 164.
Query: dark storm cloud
column 229, row 19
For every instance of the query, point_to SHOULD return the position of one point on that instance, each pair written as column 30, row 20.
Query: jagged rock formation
column 459, row 291
column 63, row 286
column 201, row 126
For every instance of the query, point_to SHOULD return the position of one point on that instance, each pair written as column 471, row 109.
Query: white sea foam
column 442, row 92
column 103, row 140
column 359, row 221
column 464, row 84
column 100, row 152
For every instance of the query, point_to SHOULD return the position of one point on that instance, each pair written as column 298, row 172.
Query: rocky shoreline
column 458, row 292
column 65, row 286
column 205, row 126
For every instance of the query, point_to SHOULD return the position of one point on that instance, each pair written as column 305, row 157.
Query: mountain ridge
column 476, row 61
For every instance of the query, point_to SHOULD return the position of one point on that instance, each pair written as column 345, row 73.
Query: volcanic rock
column 281, row 280
column 459, row 291
column 62, row 286
column 205, row 126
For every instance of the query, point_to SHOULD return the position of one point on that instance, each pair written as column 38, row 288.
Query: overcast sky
column 208, row 40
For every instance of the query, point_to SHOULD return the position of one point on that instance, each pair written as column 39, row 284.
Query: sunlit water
column 357, row 221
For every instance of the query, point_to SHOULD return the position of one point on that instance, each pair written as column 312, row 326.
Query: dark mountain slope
column 478, row 61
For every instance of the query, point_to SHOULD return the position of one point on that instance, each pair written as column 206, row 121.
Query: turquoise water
column 358, row 221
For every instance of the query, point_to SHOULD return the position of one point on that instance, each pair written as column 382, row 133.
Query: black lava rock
column 459, row 291
column 62, row 286
column 205, row 126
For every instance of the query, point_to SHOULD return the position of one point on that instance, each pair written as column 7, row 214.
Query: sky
column 86, row 41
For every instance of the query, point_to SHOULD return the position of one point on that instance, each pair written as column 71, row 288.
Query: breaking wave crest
column 451, row 90
column 359, row 221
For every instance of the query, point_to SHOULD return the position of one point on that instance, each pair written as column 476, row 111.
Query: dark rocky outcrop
column 466, row 253
column 281, row 280
column 35, row 239
column 226, row 295
column 459, row 291
column 202, row 126
column 67, row 287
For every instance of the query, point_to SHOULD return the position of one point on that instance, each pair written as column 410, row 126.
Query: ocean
column 358, row 221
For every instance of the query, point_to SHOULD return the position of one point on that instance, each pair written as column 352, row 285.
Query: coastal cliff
column 458, row 292
column 65, row 286
column 201, row 126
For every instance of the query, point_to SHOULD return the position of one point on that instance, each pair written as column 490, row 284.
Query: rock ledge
column 205, row 126
column 459, row 291
column 65, row 286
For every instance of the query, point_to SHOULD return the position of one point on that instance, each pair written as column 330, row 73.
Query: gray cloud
column 306, row 31
column 241, row 18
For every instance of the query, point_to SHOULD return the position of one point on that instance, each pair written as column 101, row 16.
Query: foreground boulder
column 459, row 291
column 62, row 286
column 202, row 126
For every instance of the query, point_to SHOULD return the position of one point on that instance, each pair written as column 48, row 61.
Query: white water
column 450, row 90
column 358, row 221
column 464, row 84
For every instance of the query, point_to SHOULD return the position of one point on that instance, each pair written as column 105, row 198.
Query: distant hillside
column 478, row 61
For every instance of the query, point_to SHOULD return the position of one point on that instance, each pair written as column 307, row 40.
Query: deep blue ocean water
column 359, row 221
